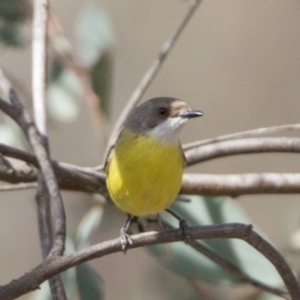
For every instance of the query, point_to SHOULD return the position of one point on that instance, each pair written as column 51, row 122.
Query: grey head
column 161, row 118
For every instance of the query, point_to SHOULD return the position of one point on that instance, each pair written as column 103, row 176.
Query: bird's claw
column 185, row 230
column 125, row 240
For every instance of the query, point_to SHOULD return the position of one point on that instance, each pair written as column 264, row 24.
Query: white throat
column 169, row 130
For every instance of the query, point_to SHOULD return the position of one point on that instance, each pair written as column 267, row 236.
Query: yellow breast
column 144, row 174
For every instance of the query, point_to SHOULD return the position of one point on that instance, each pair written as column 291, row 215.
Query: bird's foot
column 125, row 239
column 185, row 230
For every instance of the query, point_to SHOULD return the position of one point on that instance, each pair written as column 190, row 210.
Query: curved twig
column 244, row 146
column 18, row 113
column 242, row 135
column 54, row 265
column 240, row 184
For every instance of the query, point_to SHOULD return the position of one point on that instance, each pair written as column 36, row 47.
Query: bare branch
column 30, row 159
column 54, row 265
column 244, row 146
column 80, row 179
column 240, row 184
column 17, row 111
column 19, row 174
column 242, row 135
column 39, row 64
column 39, row 79
column 18, row 187
column 18, row 154
column 44, row 217
column 152, row 71
column 70, row 177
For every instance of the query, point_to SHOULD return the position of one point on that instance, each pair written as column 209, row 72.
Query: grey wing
column 108, row 158
column 183, row 158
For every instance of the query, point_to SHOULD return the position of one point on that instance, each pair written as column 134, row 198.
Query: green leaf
column 101, row 77
column 171, row 286
column 64, row 96
column 11, row 134
column 90, row 284
column 268, row 296
column 13, row 34
column 88, row 226
column 187, row 262
column 94, row 35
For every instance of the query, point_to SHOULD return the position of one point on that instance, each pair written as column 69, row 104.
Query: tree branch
column 244, row 146
column 242, row 135
column 18, row 187
column 17, row 112
column 54, row 265
column 152, row 71
column 39, row 79
column 240, row 184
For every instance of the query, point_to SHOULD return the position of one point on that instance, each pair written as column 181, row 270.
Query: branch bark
column 243, row 134
column 54, row 265
column 240, row 184
column 39, row 81
column 243, row 146
column 18, row 113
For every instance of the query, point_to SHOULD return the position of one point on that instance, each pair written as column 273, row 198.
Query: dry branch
column 54, row 265
column 244, row 146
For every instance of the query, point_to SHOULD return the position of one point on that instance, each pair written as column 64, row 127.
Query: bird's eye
column 162, row 111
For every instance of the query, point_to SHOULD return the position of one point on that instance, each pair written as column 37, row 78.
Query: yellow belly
column 144, row 175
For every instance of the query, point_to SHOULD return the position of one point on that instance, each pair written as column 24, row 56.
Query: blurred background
column 237, row 61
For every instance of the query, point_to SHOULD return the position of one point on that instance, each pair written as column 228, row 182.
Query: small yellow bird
column 145, row 166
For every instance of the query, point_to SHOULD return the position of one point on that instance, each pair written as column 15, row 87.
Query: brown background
column 238, row 61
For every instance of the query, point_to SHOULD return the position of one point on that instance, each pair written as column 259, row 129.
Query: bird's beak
column 191, row 114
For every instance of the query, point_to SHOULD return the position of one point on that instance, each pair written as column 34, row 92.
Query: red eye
column 162, row 111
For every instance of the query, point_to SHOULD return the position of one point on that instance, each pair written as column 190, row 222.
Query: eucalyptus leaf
column 94, row 35
column 13, row 34
column 11, row 134
column 268, row 296
column 186, row 261
column 90, row 284
column 88, row 226
column 64, row 96
column 101, row 77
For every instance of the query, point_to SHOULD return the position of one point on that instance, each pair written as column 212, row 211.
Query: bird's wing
column 108, row 158
column 183, row 157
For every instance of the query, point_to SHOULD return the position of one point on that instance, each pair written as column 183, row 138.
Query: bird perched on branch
column 145, row 166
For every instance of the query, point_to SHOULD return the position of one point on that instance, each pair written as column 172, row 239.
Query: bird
column 145, row 166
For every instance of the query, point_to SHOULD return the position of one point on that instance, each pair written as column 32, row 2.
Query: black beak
column 192, row 114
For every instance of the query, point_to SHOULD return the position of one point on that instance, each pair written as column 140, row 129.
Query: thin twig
column 242, row 135
column 74, row 178
column 152, row 71
column 243, row 146
column 39, row 64
column 70, row 177
column 30, row 159
column 54, row 265
column 18, row 187
column 44, row 217
column 240, row 184
column 17, row 112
